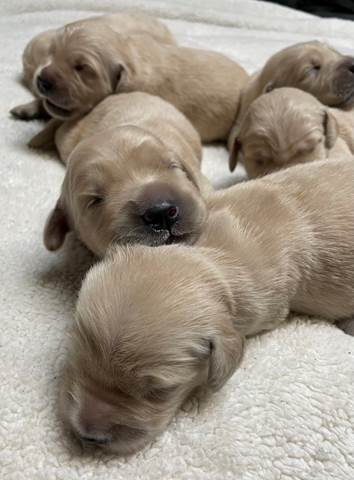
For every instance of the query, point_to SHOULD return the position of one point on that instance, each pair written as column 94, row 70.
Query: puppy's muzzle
column 162, row 216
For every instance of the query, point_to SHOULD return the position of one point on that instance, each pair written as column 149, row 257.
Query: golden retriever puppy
column 87, row 64
column 133, row 176
column 155, row 324
column 289, row 126
column 314, row 67
column 49, row 47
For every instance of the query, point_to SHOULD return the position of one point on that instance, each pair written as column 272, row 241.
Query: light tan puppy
column 75, row 46
column 133, row 176
column 289, row 126
column 87, row 64
column 153, row 325
column 313, row 67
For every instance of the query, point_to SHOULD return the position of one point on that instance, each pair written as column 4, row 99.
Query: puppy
column 313, row 67
column 133, row 176
column 154, row 325
column 79, row 63
column 85, row 65
column 289, row 126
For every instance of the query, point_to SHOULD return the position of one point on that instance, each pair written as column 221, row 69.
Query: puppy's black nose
column 44, row 85
column 161, row 216
column 351, row 67
column 94, row 441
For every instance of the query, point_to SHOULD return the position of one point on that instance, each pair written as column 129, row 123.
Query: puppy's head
column 152, row 326
column 315, row 68
column 282, row 128
column 85, row 65
column 130, row 189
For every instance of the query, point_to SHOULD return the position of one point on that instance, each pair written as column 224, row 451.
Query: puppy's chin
column 56, row 111
column 158, row 238
column 143, row 235
column 346, row 102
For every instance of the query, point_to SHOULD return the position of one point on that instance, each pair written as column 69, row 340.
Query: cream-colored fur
column 289, row 126
column 314, row 67
column 40, row 50
column 130, row 153
column 155, row 324
column 203, row 85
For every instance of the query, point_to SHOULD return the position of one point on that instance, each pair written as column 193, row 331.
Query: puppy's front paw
column 29, row 111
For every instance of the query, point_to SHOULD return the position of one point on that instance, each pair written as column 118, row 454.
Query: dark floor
column 324, row 8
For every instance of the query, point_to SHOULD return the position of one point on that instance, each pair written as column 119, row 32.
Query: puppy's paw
column 29, row 111
column 21, row 112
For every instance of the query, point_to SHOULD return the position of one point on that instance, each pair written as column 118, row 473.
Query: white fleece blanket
column 287, row 413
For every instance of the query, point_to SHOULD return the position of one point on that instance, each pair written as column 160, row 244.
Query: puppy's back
column 303, row 218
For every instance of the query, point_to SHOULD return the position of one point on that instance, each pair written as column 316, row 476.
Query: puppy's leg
column 45, row 139
column 30, row 111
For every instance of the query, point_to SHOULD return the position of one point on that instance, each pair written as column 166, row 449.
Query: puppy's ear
column 235, row 146
column 56, row 228
column 226, row 350
column 118, row 72
column 330, row 128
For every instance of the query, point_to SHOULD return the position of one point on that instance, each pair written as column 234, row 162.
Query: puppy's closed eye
column 313, row 68
column 161, row 394
column 260, row 162
column 94, row 201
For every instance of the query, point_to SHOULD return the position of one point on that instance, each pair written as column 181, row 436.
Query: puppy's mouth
column 167, row 237
column 57, row 111
column 347, row 102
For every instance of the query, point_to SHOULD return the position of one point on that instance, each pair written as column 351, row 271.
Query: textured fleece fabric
column 286, row 414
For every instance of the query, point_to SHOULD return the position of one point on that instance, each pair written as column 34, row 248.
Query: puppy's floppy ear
column 226, row 350
column 330, row 128
column 56, row 228
column 234, row 146
column 118, row 73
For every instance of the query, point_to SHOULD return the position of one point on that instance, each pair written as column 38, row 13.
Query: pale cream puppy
column 289, row 126
column 133, row 176
column 51, row 44
column 87, row 64
column 314, row 67
column 155, row 324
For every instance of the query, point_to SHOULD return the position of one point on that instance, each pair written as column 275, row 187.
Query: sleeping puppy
column 155, row 325
column 133, row 176
column 289, row 126
column 87, row 64
column 77, row 66
column 313, row 67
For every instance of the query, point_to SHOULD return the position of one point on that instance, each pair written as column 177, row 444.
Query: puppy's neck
column 256, row 246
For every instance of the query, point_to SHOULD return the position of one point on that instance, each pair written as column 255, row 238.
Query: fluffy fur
column 289, row 126
column 130, row 154
column 73, row 48
column 87, row 62
column 143, row 343
column 314, row 67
